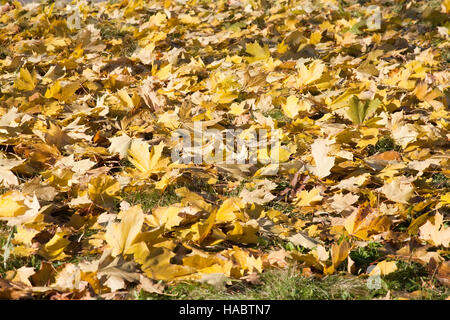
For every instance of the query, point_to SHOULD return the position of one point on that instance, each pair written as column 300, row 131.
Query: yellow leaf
column 366, row 220
column 120, row 145
column 103, row 190
column 62, row 93
column 145, row 54
column 282, row 47
column 310, row 259
column 25, row 81
column 291, row 108
column 280, row 153
column 383, row 268
column 200, row 260
column 53, row 250
column 324, row 163
column 12, row 204
column 165, row 216
column 246, row 262
column 121, row 236
column 24, row 235
column 229, row 210
column 145, row 161
column 22, row 275
column 306, row 198
column 159, row 267
column 205, row 227
column 436, row 233
column 244, row 233
column 189, row 197
column 237, row 109
column 445, row 198
column 445, row 5
column 187, row 19
column 258, row 53
column 17, row 209
column 307, row 75
column 398, row 190
column 339, row 253
column 125, row 98
column 165, row 72
column 53, row 90
column 158, row 19
column 315, row 38
column 139, row 251
column 170, row 119
column 359, row 110
column 224, row 96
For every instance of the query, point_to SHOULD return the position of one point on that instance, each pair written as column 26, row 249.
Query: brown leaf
column 150, row 286
column 443, row 273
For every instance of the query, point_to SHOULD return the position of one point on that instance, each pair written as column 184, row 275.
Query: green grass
column 384, row 144
column 4, row 52
column 411, row 277
column 365, row 256
column 12, row 262
column 276, row 285
column 278, row 115
column 439, row 180
column 271, row 243
column 110, row 31
column 152, row 198
column 282, row 206
column 290, row 284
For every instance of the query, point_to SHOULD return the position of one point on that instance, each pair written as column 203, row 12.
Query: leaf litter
column 92, row 92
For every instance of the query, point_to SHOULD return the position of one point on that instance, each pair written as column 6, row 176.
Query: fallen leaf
column 120, row 236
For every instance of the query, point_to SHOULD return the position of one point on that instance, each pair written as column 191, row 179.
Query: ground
column 113, row 186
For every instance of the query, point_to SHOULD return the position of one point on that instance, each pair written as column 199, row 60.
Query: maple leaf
column 120, row 236
column 383, row 268
column 114, row 271
column 364, row 221
column 259, row 196
column 324, row 163
column 17, row 208
column 339, row 253
column 159, row 267
column 342, row 202
column 62, row 92
column 23, row 275
column 300, row 239
column 120, row 145
column 7, row 178
column 53, row 250
column 435, row 233
column 309, row 74
column 445, row 5
column 278, row 258
column 398, row 190
column 258, row 53
column 91, row 99
column 103, row 191
column 167, row 216
column 306, row 198
column 293, row 107
column 25, row 81
column 145, row 161
column 358, row 111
